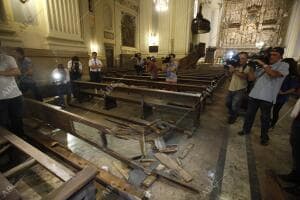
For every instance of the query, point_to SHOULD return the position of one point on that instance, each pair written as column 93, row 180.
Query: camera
column 166, row 59
column 262, row 55
column 233, row 61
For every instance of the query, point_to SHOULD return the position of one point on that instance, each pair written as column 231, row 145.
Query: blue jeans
column 265, row 108
column 233, row 101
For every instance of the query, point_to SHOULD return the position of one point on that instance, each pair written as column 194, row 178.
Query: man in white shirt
column 95, row 66
column 11, row 100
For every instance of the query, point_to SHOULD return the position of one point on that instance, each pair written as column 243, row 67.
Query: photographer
column 238, row 86
column 25, row 80
column 171, row 69
column 61, row 78
column 269, row 79
column 138, row 63
column 75, row 70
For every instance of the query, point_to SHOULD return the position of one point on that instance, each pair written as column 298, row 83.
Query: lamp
column 161, row 5
column 199, row 24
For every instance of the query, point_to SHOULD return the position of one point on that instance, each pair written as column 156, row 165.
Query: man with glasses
column 268, row 80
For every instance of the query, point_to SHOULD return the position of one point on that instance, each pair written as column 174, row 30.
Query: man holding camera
column 238, row 86
column 268, row 80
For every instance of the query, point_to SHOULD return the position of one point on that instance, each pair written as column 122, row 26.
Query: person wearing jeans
column 269, row 79
column 11, row 100
column 237, row 88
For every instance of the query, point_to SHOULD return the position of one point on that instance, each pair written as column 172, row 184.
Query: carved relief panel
column 246, row 22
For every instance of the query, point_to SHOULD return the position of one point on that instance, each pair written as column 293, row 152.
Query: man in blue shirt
column 269, row 79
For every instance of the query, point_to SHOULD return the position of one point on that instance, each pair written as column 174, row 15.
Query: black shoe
column 291, row 177
column 231, row 120
column 264, row 142
column 242, row 133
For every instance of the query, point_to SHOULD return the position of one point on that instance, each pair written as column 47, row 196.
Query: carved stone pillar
column 64, row 19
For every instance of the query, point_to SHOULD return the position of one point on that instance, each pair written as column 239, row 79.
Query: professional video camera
column 263, row 55
column 233, row 61
column 166, row 59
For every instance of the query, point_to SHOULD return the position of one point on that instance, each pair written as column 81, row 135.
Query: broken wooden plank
column 149, row 180
column 185, row 152
column 103, row 177
column 53, row 166
column 170, row 163
column 74, row 185
column 7, row 190
column 20, row 168
column 121, row 170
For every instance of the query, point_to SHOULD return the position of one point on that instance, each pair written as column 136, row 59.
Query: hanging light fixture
column 199, row 24
column 161, row 5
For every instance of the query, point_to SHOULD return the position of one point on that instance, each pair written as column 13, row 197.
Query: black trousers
column 265, row 108
column 96, row 77
column 11, row 115
column 276, row 108
column 295, row 143
column 29, row 84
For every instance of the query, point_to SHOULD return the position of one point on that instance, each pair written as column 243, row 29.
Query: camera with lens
column 262, row 55
column 233, row 61
column 166, row 59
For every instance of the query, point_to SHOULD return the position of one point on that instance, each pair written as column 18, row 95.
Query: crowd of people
column 273, row 83
column 149, row 65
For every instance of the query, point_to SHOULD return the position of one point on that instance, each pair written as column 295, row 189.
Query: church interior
column 150, row 99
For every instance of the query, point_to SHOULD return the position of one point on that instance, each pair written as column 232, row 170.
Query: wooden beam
column 158, row 85
column 73, row 185
column 170, row 163
column 146, row 92
column 4, row 148
column 179, row 80
column 103, row 177
column 53, row 166
column 20, row 168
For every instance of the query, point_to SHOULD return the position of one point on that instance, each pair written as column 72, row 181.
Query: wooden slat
column 170, row 163
column 73, row 185
column 158, row 85
column 7, row 190
column 103, row 177
column 170, row 96
column 19, row 168
column 53, row 166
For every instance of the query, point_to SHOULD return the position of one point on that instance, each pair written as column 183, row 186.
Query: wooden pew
column 147, row 98
column 179, row 80
column 74, row 183
column 159, row 85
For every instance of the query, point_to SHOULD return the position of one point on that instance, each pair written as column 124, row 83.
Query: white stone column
column 293, row 33
column 64, row 19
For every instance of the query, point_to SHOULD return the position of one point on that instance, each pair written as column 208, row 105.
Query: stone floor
column 223, row 164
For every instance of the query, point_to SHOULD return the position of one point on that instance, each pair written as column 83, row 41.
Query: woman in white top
column 171, row 70
column 95, row 66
